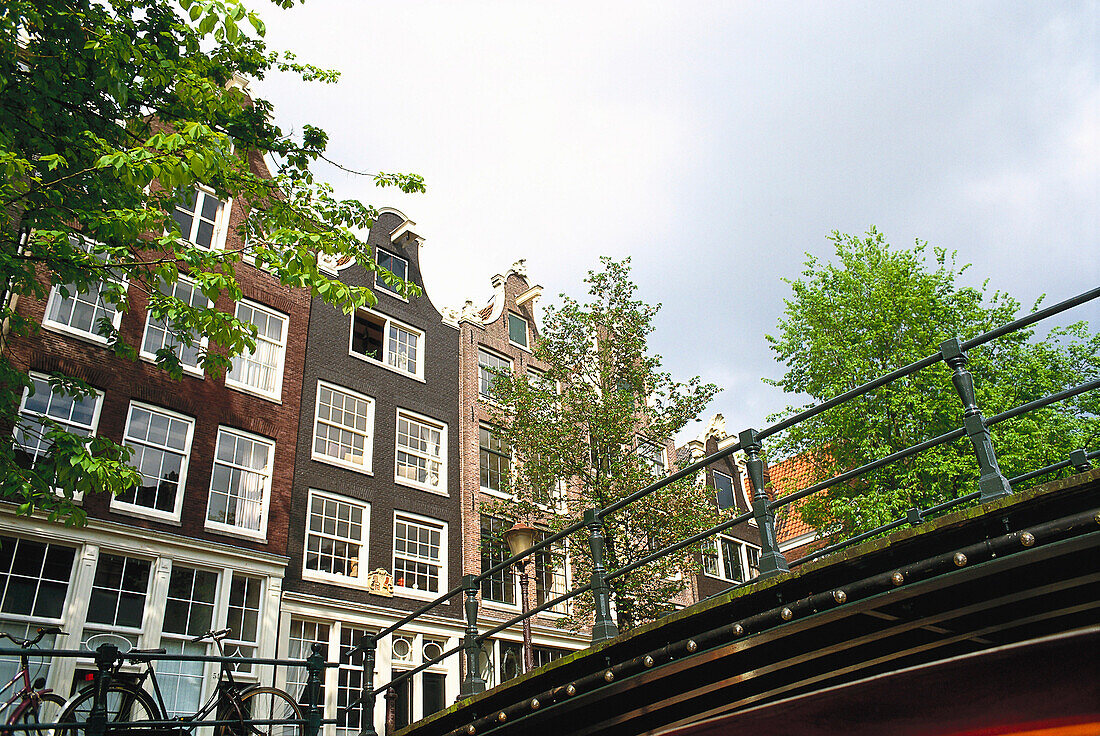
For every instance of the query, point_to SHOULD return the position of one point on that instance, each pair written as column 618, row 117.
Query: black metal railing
column 992, row 484
column 108, row 658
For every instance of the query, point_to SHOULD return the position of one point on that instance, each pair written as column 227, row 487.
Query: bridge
column 971, row 614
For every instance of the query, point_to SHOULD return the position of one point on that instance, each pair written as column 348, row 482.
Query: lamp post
column 520, row 538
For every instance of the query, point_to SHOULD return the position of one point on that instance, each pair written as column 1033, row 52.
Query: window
column 489, row 366
column 117, row 602
column 240, row 484
column 501, row 586
column 245, row 594
column 336, row 539
column 418, row 545
column 200, row 218
column 161, row 441
column 546, row 655
column 723, row 485
column 421, row 452
column 652, row 456
column 350, row 684
column 158, row 332
column 429, row 685
column 303, row 635
column 261, row 371
column 34, row 578
column 388, row 342
column 517, row 330
column 551, row 579
column 729, row 559
column 78, row 416
column 343, row 427
column 396, row 265
column 496, row 459
column 188, row 612
column 82, row 312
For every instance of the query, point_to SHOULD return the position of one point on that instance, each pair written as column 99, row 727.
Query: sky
column 715, row 143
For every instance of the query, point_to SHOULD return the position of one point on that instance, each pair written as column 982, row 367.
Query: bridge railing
column 992, row 484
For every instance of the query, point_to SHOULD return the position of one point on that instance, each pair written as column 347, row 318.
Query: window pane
column 517, row 330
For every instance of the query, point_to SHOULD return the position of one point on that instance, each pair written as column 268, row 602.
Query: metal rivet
column 609, row 675
column 502, row 716
column 897, row 578
column 840, row 596
column 471, row 730
column 738, row 629
column 648, row 661
column 787, row 614
column 1027, row 539
column 1096, row 518
column 535, row 703
column 570, row 689
column 691, row 645
column 960, row 559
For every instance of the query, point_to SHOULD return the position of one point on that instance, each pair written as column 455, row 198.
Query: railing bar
column 858, row 538
column 679, row 545
column 1037, row 473
column 423, row 609
column 874, row 464
column 538, row 609
column 682, row 473
column 571, row 529
column 149, row 656
column 951, row 504
column 1032, row 318
column 1068, row 393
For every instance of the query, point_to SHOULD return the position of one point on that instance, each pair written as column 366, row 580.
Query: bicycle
column 129, row 703
column 34, row 704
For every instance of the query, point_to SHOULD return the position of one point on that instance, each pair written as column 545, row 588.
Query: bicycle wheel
column 44, row 709
column 126, row 704
column 266, row 704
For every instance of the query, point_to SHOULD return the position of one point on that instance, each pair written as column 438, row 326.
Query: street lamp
column 520, row 538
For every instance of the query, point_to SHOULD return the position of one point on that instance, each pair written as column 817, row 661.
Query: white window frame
column 648, row 461
column 202, row 342
column 492, row 429
column 742, row 557
column 221, row 219
column 379, row 283
column 364, row 542
column 525, row 346
column 441, row 489
column 276, row 393
column 8, row 561
column 367, row 466
column 390, row 323
column 55, row 296
column 427, row 521
column 137, row 509
column 91, row 428
column 265, row 502
column 510, row 363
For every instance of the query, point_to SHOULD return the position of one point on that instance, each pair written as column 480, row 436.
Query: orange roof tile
column 788, row 476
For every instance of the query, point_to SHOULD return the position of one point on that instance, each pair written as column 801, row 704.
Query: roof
column 788, row 476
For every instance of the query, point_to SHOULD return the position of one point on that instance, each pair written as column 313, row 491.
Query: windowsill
column 365, row 469
column 724, row 580
column 193, row 371
column 141, row 512
column 246, row 389
column 420, row 595
column 342, row 580
column 382, row 364
column 501, row 607
column 232, row 531
column 63, row 329
column 498, row 494
column 379, row 289
column 524, row 348
column 413, row 484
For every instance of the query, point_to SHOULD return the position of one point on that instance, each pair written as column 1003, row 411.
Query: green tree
column 581, row 435
column 876, row 309
column 111, row 112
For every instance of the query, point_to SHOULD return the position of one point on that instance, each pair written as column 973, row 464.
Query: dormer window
column 396, row 265
column 517, row 330
column 200, row 219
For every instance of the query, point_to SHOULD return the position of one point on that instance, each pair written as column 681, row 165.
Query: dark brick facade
column 327, row 358
column 207, row 400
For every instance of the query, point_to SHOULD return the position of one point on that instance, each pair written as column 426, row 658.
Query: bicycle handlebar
column 28, row 643
column 214, row 635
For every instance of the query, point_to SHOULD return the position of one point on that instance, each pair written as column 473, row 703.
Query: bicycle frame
column 25, row 694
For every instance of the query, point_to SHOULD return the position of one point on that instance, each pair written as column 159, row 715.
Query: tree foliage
column 578, row 434
column 876, row 309
column 112, row 112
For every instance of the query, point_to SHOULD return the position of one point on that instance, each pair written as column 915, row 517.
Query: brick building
column 203, row 543
column 375, row 517
column 500, row 336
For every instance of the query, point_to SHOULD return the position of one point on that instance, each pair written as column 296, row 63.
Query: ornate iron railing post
column 391, row 710
column 604, row 627
column 369, row 645
column 992, row 482
column 105, row 656
column 772, row 561
column 315, row 667
column 472, row 683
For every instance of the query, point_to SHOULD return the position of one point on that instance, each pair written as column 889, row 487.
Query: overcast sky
column 715, row 144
